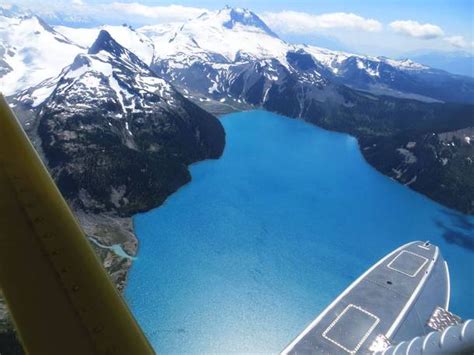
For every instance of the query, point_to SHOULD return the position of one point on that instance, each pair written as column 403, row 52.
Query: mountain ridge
column 205, row 62
column 118, row 95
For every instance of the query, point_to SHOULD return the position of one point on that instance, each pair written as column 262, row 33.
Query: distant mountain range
column 228, row 36
column 231, row 60
column 457, row 62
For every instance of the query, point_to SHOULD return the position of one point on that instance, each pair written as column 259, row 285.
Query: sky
column 377, row 27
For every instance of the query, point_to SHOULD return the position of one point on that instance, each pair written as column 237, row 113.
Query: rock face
column 117, row 137
column 440, row 165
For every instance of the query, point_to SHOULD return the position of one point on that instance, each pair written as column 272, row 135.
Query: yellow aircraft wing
column 59, row 295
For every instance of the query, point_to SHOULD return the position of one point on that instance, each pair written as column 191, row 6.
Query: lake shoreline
column 378, row 164
column 172, row 221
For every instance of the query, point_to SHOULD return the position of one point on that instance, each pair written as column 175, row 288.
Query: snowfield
column 138, row 43
column 33, row 52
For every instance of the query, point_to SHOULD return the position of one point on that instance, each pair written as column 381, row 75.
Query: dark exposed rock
column 118, row 138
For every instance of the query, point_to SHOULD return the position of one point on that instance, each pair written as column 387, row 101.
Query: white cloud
column 170, row 13
column 417, row 30
column 429, row 31
column 459, row 42
column 78, row 2
column 302, row 22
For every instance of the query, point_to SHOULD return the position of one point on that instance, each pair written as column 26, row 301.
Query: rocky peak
column 244, row 17
column 105, row 42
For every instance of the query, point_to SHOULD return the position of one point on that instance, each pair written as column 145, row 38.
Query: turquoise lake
column 246, row 255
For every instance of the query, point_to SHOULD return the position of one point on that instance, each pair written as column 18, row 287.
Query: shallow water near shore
column 246, row 255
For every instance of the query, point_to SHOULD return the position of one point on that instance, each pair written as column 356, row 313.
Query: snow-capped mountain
column 399, row 78
column 116, row 136
column 110, row 71
column 207, row 54
column 225, row 34
column 217, row 42
column 30, row 51
column 457, row 62
column 155, row 32
column 136, row 42
column 221, row 56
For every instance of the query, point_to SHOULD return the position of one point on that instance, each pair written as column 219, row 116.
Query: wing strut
column 60, row 296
